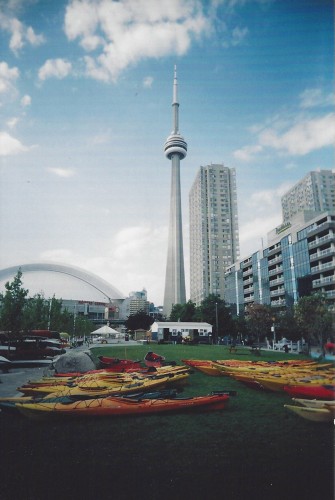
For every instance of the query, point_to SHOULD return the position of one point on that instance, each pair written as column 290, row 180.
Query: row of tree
column 20, row 313
column 310, row 317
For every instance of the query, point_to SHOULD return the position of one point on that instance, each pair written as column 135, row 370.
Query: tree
column 83, row 326
column 12, row 305
column 36, row 313
column 259, row 319
column 286, row 326
column 313, row 318
column 183, row 312
column 214, row 311
column 140, row 320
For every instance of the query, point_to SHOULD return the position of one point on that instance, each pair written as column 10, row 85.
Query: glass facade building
column 299, row 260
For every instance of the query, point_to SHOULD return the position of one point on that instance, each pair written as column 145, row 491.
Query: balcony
column 322, row 267
column 248, row 299
column 274, row 249
column 323, row 253
column 279, row 291
column 319, row 241
column 278, row 281
column 323, row 281
column 278, row 303
column 277, row 270
column 275, row 260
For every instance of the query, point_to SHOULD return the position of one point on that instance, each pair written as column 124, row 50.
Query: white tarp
column 105, row 330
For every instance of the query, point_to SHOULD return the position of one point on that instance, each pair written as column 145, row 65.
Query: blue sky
column 85, row 106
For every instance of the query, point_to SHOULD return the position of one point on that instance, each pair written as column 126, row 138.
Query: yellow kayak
column 100, row 391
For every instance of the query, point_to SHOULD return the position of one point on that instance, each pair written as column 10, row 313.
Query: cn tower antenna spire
column 175, row 103
column 175, row 149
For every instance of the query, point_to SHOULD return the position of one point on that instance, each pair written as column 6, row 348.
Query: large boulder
column 74, row 362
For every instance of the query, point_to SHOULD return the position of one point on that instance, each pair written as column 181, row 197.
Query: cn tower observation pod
column 175, row 144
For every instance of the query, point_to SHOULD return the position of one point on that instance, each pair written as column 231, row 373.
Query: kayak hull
column 108, row 407
column 313, row 414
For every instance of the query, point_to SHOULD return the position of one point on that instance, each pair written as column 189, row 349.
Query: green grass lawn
column 253, row 449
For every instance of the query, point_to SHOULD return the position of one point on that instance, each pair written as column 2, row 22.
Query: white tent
column 105, row 330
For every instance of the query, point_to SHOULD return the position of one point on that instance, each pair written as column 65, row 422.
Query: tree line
column 310, row 317
column 20, row 313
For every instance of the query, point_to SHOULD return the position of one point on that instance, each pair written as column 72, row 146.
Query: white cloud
column 237, row 37
column 7, row 77
column 12, row 122
column 247, row 152
column 132, row 260
column 19, row 33
column 61, row 255
column 131, row 30
column 262, row 213
column 61, row 172
column 136, row 260
column 302, row 138
column 311, row 98
column 26, row 101
column 34, row 39
column 9, row 145
column 297, row 137
column 147, row 82
column 252, row 240
column 103, row 138
column 57, row 68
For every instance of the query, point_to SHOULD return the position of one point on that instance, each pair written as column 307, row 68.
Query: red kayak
column 326, row 392
column 153, row 359
column 119, row 365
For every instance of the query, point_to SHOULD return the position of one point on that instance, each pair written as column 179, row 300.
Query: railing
column 322, row 253
column 318, row 241
column 278, row 270
column 280, row 291
column 321, row 267
column 278, row 281
column 323, row 281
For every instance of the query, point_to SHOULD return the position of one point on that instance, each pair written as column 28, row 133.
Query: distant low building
column 136, row 302
column 179, row 331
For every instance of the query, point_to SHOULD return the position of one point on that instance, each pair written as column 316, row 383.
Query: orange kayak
column 111, row 406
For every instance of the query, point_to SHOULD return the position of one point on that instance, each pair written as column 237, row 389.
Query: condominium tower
column 214, row 234
column 316, row 191
column 175, row 149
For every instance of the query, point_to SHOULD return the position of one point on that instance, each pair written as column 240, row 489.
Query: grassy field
column 253, row 449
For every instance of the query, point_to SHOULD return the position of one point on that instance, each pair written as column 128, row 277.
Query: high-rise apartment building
column 214, row 233
column 316, row 191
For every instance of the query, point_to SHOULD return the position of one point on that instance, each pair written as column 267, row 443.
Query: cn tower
column 175, row 149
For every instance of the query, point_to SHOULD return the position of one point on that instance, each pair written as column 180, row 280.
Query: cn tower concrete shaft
column 175, row 150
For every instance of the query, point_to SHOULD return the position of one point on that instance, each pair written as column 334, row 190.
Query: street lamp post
column 273, row 329
column 217, row 322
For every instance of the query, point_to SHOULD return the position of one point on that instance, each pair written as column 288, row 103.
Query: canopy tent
column 105, row 330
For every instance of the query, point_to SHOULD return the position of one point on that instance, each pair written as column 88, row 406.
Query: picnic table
column 255, row 349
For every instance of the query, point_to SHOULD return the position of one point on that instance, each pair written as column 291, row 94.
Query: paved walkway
column 16, row 377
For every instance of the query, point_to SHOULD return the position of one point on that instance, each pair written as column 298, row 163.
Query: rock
column 74, row 362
